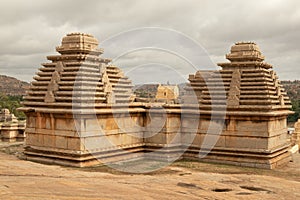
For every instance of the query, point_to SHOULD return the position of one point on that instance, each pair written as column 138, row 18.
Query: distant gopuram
column 81, row 110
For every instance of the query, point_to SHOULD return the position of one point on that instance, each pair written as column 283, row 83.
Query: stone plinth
column 80, row 140
column 11, row 132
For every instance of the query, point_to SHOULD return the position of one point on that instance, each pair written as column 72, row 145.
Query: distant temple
column 6, row 116
column 11, row 129
column 81, row 110
column 167, row 93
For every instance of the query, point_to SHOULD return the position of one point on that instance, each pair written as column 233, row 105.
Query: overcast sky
column 31, row 29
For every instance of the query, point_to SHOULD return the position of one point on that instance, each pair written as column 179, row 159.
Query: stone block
column 67, row 133
column 212, row 126
column 277, row 124
column 159, row 138
column 111, row 124
column 213, row 140
column 246, row 142
column 98, row 143
column 33, row 139
column 173, row 122
column 173, row 138
column 49, row 140
column 188, row 138
column 31, row 122
column 92, row 125
column 64, row 124
column 48, row 123
column 61, row 142
column 116, row 140
column 277, row 141
column 254, row 128
column 74, row 144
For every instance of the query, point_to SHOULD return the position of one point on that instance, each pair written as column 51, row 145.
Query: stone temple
column 11, row 129
column 81, row 110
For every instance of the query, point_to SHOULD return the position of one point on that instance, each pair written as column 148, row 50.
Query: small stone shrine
column 11, row 129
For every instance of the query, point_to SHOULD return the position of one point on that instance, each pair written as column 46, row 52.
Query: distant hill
column 12, row 86
column 292, row 88
column 146, row 90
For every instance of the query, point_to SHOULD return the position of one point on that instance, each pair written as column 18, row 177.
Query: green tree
column 12, row 103
column 296, row 108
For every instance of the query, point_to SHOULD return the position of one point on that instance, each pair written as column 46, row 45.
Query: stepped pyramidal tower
column 77, row 77
column 66, row 97
column 256, row 107
column 81, row 111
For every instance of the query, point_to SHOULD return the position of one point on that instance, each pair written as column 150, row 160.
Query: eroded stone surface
column 21, row 179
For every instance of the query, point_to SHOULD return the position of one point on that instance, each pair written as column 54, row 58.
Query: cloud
column 31, row 29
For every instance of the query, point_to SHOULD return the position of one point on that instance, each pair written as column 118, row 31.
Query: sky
column 185, row 35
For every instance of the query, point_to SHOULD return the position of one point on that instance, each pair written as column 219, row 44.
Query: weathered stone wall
column 75, row 138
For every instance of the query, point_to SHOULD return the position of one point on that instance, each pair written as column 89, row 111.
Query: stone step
column 80, row 93
column 121, row 90
column 256, row 79
column 260, row 74
column 258, row 88
column 112, row 71
column 216, row 88
column 38, row 88
column 222, row 84
column 218, row 102
column 82, row 69
column 215, row 97
column 115, row 76
column 81, row 99
column 39, row 83
column 259, row 102
column 80, row 79
column 37, row 92
column 80, row 88
column 120, row 81
column 125, row 86
column 47, row 69
column 35, row 98
column 244, row 97
column 78, row 57
column 254, row 92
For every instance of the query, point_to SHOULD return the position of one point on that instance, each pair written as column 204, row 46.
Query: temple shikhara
column 81, row 110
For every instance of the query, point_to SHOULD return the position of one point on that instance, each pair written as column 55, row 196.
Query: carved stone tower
column 256, row 107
